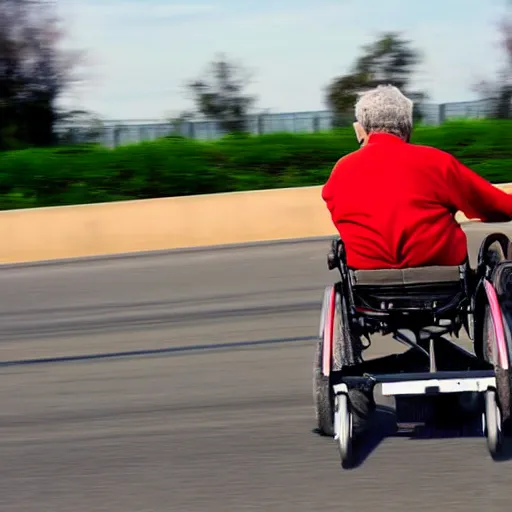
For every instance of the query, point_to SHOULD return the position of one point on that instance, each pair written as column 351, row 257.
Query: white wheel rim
column 343, row 432
column 492, row 421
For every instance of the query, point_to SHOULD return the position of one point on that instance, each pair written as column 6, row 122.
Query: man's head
column 383, row 110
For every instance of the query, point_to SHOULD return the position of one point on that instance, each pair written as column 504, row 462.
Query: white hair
column 385, row 109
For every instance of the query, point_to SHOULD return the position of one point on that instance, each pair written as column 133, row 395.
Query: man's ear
column 361, row 135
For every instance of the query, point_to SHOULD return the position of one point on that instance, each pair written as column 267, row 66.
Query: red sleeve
column 476, row 197
column 329, row 189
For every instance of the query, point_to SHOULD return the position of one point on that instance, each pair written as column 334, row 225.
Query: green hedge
column 176, row 167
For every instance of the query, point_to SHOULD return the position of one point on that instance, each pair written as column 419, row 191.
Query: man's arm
column 328, row 190
column 476, row 197
column 332, row 184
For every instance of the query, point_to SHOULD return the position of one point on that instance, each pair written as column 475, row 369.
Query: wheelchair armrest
column 332, row 260
column 487, row 258
column 336, row 256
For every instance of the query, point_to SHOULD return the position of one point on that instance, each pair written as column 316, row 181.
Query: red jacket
column 393, row 204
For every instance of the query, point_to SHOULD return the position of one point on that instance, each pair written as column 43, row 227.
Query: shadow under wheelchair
column 438, row 421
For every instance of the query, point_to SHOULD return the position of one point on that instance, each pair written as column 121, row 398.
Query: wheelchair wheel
column 322, row 395
column 492, row 423
column 489, row 337
column 343, row 428
column 503, row 376
column 346, row 351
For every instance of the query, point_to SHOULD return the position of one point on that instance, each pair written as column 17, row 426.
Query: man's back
column 393, row 204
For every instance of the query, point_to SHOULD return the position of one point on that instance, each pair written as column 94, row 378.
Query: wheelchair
column 422, row 308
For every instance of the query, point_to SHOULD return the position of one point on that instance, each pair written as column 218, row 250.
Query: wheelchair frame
column 420, row 314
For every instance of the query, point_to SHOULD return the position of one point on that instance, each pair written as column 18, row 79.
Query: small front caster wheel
column 492, row 422
column 343, row 428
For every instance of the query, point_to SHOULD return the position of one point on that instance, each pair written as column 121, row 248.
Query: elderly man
column 394, row 203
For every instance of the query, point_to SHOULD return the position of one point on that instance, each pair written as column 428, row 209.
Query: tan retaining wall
column 133, row 226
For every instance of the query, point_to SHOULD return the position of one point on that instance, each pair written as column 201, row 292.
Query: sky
column 139, row 54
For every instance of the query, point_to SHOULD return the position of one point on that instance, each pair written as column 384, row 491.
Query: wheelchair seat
column 432, row 288
column 408, row 276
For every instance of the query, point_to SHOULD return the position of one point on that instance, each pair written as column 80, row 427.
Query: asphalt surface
column 182, row 382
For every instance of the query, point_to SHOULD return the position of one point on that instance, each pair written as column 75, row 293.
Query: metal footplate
column 437, row 383
column 427, row 383
column 410, row 385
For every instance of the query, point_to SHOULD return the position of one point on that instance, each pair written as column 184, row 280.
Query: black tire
column 493, row 257
column 503, row 377
column 347, row 351
column 323, row 395
column 488, row 336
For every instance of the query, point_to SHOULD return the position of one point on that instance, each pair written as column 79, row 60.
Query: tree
column 389, row 60
column 220, row 95
column 503, row 107
column 33, row 73
column 499, row 89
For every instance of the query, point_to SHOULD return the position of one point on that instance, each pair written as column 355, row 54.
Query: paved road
column 209, row 408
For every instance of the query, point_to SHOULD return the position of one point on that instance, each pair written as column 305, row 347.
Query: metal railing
column 114, row 133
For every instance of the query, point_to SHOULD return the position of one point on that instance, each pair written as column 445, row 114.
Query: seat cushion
column 408, row 276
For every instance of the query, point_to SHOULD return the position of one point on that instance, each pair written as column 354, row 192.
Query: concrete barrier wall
column 132, row 226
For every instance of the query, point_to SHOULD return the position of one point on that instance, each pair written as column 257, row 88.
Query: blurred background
column 124, row 71
column 106, row 100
